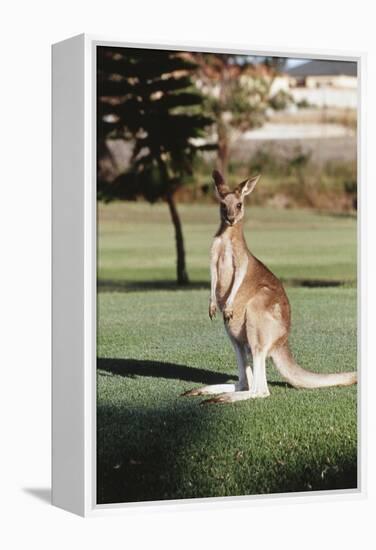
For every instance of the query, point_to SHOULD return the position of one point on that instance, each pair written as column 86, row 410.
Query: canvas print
column 226, row 275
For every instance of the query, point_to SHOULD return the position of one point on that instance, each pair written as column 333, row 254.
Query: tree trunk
column 181, row 270
column 223, row 149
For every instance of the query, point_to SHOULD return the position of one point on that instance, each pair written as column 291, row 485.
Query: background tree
column 238, row 94
column 146, row 97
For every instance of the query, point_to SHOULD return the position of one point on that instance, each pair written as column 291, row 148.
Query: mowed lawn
column 155, row 342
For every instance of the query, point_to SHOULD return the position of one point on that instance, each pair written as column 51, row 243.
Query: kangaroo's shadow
column 159, row 369
column 137, row 367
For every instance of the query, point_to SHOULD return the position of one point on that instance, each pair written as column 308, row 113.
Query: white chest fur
column 226, row 260
column 231, row 271
column 225, row 268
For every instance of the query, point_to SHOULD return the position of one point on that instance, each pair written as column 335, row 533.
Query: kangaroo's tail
column 301, row 378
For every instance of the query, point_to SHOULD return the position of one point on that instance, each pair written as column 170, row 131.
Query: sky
column 295, row 62
column 291, row 62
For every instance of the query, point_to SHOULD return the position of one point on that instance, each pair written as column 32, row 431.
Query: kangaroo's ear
column 247, row 186
column 221, row 188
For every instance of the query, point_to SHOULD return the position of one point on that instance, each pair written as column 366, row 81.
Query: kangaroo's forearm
column 240, row 272
column 214, row 270
column 213, row 280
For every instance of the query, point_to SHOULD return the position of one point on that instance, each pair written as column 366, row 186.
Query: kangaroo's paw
column 228, row 313
column 212, row 310
column 210, row 390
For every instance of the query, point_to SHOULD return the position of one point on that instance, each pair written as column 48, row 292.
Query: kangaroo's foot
column 233, row 397
column 211, row 390
column 259, row 389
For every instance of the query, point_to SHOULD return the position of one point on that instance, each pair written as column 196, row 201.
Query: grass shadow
column 110, row 285
column 313, row 283
column 171, row 452
column 352, row 215
column 113, row 285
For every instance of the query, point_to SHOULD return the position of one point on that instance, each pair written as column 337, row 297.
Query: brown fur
column 257, row 314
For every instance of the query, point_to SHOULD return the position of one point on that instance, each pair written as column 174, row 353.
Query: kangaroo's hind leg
column 263, row 328
column 259, row 387
column 244, row 369
column 214, row 389
column 246, row 379
column 245, row 375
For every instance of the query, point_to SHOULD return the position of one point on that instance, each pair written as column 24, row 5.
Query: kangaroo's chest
column 226, row 257
column 225, row 268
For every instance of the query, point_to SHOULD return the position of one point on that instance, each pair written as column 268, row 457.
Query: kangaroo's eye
column 239, row 206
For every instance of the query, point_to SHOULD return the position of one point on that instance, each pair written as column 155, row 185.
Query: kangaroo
column 255, row 308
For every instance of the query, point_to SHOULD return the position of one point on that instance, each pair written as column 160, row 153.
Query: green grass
column 154, row 344
column 136, row 242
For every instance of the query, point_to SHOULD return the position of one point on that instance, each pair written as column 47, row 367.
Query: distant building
column 321, row 73
column 324, row 83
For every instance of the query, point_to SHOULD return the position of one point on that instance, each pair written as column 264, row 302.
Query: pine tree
column 147, row 97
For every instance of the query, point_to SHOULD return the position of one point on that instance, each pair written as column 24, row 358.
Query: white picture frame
column 74, row 278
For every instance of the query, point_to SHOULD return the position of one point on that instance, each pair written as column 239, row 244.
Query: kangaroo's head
column 232, row 202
